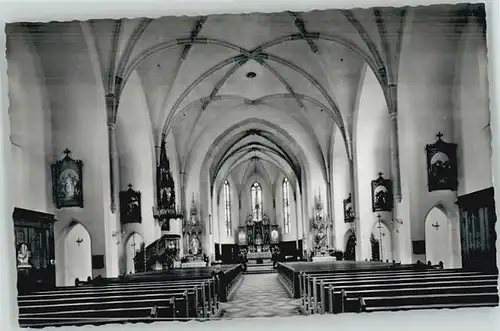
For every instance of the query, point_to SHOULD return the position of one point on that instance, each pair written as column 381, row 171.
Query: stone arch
column 239, row 122
column 132, row 245
column 438, row 243
column 350, row 245
column 382, row 235
column 371, row 155
column 78, row 253
column 136, row 154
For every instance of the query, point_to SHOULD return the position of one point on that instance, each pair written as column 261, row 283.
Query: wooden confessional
column 35, row 254
column 477, row 230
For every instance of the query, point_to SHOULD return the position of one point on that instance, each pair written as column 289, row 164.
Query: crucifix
column 79, row 241
column 439, row 135
column 380, row 173
column 436, row 225
column 67, row 152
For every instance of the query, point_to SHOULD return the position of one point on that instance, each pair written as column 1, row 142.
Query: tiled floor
column 260, row 295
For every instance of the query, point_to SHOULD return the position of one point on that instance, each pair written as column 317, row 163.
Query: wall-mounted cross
column 439, row 135
column 436, row 225
column 79, row 241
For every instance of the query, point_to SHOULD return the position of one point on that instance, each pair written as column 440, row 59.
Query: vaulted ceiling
column 194, row 70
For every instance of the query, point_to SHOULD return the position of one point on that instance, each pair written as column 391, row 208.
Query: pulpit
column 35, row 254
column 160, row 254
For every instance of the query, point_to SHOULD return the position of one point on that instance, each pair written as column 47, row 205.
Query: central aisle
column 260, row 295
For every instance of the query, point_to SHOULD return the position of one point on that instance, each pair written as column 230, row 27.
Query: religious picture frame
column 130, row 206
column 348, row 212
column 442, row 170
column 67, row 182
column 275, row 235
column 382, row 197
column 242, row 236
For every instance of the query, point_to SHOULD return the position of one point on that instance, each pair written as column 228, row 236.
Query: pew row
column 144, row 298
column 383, row 289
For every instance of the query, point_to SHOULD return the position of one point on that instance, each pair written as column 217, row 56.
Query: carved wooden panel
column 477, row 230
column 35, row 251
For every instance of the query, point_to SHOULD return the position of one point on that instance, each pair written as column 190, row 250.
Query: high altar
column 258, row 238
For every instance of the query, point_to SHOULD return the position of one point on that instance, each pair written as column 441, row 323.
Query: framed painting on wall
column 67, row 182
column 382, row 198
column 442, row 172
column 130, row 206
column 348, row 211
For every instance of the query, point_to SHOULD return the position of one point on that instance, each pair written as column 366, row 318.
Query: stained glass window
column 256, row 196
column 286, row 205
column 227, row 208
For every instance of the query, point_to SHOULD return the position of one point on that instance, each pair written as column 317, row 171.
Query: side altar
column 193, row 233
column 258, row 239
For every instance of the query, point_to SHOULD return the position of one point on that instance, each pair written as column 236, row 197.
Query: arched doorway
column 438, row 246
column 350, row 246
column 78, row 257
column 132, row 245
column 381, row 242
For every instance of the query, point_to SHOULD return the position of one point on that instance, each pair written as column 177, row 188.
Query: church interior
column 205, row 162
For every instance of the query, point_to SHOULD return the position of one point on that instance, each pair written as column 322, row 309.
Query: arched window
column 227, row 208
column 286, row 204
column 256, row 202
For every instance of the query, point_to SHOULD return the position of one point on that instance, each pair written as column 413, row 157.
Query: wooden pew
column 322, row 293
column 319, row 291
column 191, row 293
column 288, row 273
column 177, row 303
column 341, row 288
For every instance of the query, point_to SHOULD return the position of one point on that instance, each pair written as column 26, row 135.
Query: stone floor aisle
column 260, row 295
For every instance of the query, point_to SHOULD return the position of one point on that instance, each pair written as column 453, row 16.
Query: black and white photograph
column 256, row 165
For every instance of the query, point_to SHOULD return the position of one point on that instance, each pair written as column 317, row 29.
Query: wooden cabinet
column 477, row 230
column 35, row 256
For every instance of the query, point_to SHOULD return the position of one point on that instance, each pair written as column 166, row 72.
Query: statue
column 23, row 256
column 195, row 244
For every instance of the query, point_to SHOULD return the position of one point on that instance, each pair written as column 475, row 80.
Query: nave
column 340, row 147
column 228, row 292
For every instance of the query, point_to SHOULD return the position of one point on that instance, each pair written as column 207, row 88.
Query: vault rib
column 194, row 34
column 299, row 23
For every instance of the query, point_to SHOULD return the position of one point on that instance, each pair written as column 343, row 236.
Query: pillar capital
column 393, row 116
column 111, row 107
column 392, row 95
